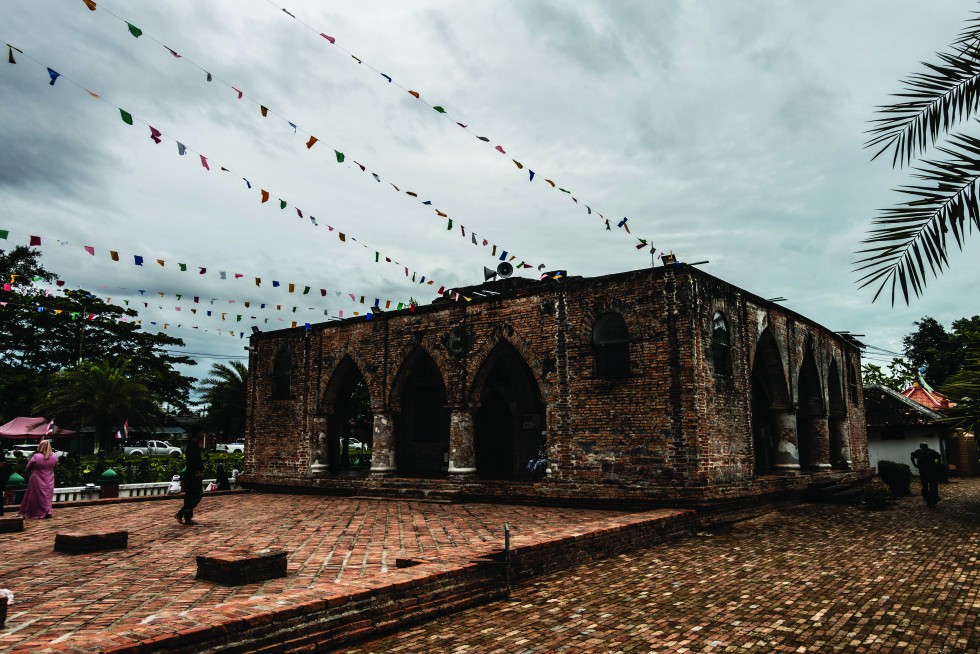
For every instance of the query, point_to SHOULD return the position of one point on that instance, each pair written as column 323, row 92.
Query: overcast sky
column 725, row 131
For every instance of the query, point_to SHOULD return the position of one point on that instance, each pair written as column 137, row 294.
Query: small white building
column 897, row 425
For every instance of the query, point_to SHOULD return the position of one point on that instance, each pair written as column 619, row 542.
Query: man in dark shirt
column 191, row 480
column 928, row 462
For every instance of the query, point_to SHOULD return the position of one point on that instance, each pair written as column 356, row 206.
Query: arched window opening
column 721, row 344
column 610, row 344
column 282, row 373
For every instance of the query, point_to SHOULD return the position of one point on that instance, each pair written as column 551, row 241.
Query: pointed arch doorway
column 349, row 418
column 771, row 409
column 509, row 423
column 422, row 418
column 840, row 451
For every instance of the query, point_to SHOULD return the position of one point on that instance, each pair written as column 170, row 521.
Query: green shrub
column 897, row 476
column 75, row 470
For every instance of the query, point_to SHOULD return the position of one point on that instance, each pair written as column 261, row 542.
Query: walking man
column 192, row 480
column 928, row 462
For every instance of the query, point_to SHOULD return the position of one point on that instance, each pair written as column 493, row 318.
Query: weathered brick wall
column 673, row 422
column 278, row 433
column 625, row 431
column 721, row 397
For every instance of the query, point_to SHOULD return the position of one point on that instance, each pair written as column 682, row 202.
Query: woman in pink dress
column 40, row 489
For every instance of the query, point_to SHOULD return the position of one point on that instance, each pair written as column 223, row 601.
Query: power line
column 206, row 355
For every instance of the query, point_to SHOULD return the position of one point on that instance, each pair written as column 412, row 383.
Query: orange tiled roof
column 926, row 397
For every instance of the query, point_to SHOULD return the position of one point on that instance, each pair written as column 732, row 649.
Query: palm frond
column 963, row 388
column 970, row 34
column 932, row 102
column 912, row 236
column 224, row 392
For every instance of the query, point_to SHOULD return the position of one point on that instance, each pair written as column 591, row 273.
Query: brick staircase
column 835, row 490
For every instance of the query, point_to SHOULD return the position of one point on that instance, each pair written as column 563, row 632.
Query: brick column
column 819, row 442
column 787, row 448
column 842, row 457
column 462, row 453
column 383, row 445
column 318, row 447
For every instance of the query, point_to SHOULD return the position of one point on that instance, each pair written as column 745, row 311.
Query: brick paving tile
column 810, row 578
column 60, row 596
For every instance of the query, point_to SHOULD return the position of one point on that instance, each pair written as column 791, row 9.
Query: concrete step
column 836, row 493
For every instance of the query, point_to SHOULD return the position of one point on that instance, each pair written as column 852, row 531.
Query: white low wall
column 78, row 493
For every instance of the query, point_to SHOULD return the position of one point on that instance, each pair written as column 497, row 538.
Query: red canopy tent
column 19, row 428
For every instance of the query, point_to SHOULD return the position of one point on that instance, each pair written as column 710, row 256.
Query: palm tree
column 909, row 237
column 963, row 388
column 225, row 394
column 102, row 394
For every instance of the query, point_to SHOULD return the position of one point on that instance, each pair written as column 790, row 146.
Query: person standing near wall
column 192, row 480
column 5, row 471
column 224, row 483
column 928, row 461
column 40, row 489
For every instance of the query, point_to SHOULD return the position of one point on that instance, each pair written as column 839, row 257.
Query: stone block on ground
column 11, row 524
column 240, row 567
column 84, row 542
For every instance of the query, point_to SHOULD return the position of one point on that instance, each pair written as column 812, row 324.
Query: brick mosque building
column 662, row 384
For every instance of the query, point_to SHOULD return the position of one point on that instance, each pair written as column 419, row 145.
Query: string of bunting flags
column 197, row 299
column 311, row 140
column 209, row 313
column 140, row 260
column 442, row 111
column 202, row 312
column 157, row 136
column 82, row 315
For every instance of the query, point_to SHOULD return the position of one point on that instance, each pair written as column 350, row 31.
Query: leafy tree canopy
column 939, row 352
column 898, row 377
column 103, row 394
column 42, row 333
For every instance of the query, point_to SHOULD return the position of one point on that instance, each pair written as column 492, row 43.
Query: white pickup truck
column 151, row 448
column 237, row 446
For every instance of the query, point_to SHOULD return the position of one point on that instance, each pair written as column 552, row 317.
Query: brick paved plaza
column 811, row 578
column 328, row 539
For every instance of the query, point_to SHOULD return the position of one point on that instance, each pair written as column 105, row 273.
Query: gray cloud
column 724, row 131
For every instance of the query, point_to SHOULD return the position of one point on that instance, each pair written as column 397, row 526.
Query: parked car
column 151, row 448
column 353, row 445
column 26, row 450
column 237, row 446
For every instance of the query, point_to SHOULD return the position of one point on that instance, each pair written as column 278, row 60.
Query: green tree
column 103, row 394
column 908, row 238
column 44, row 329
column 899, row 376
column 224, row 393
column 938, row 352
